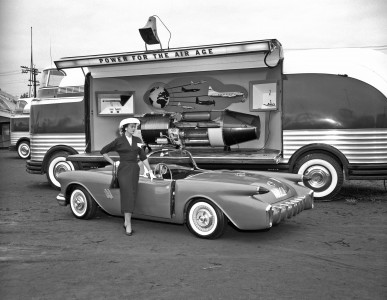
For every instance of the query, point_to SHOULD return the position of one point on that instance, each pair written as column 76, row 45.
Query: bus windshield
column 52, row 77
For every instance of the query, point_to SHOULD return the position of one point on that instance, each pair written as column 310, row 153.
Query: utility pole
column 32, row 81
column 33, row 72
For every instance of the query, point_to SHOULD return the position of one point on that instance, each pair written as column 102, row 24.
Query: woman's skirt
column 128, row 177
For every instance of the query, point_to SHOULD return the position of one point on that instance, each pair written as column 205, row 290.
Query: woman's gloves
column 148, row 173
column 151, row 175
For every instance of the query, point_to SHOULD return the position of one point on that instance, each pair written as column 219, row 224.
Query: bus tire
column 23, row 149
column 326, row 174
column 57, row 164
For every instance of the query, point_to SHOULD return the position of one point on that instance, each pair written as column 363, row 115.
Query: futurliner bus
column 20, row 128
column 246, row 106
column 20, row 120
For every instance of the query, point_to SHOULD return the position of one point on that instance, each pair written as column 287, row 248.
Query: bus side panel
column 19, row 129
column 339, row 111
column 57, row 122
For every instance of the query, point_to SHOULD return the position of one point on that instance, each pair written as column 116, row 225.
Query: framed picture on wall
column 263, row 95
column 115, row 103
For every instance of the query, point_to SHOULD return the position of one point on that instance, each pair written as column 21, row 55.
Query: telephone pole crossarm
column 32, row 81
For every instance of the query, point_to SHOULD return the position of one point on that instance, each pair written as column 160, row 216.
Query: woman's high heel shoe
column 129, row 233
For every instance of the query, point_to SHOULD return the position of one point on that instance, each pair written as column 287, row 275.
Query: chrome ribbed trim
column 359, row 146
column 291, row 207
column 15, row 136
column 41, row 143
column 45, row 101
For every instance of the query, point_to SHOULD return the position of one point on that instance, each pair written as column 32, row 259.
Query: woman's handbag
column 114, row 184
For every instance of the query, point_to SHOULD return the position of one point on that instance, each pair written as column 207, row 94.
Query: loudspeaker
column 149, row 32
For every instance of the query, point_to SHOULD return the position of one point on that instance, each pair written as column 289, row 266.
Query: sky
column 65, row 28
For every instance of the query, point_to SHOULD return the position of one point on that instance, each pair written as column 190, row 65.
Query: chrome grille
column 289, row 208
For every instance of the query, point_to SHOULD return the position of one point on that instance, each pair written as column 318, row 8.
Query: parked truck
column 249, row 106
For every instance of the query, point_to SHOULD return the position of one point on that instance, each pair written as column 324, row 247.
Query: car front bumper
column 61, row 199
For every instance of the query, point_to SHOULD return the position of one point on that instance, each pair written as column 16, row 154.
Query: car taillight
column 269, row 216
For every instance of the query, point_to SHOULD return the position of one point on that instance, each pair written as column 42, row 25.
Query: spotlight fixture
column 149, row 32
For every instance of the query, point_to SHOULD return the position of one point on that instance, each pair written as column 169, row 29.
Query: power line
column 11, row 82
column 9, row 73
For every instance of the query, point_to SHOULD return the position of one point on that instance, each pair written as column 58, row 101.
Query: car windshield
column 178, row 157
column 180, row 163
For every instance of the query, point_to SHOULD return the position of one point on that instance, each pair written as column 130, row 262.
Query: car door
column 154, row 198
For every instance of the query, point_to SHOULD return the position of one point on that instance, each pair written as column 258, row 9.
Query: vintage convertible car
column 202, row 199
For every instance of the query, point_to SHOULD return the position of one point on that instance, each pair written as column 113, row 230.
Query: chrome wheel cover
column 61, row 167
column 320, row 176
column 203, row 218
column 24, row 150
column 324, row 177
column 78, row 203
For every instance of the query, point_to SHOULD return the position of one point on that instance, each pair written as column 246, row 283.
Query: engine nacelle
column 200, row 129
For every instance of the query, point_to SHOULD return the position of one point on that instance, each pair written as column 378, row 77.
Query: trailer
column 248, row 105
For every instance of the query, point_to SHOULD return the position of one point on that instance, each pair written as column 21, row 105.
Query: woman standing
column 129, row 148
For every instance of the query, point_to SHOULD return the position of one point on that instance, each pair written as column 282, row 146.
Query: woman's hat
column 129, row 121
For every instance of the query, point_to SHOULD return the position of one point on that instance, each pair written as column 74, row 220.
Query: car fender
column 106, row 198
column 244, row 211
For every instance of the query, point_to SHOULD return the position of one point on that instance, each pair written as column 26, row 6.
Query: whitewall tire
column 206, row 220
column 56, row 165
column 82, row 204
column 24, row 150
column 326, row 174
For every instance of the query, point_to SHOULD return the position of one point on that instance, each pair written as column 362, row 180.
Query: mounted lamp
column 149, row 32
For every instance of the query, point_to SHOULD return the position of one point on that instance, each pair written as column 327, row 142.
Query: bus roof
column 367, row 65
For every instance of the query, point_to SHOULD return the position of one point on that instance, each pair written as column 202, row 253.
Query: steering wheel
column 161, row 170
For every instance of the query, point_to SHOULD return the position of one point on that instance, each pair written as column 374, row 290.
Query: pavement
column 338, row 250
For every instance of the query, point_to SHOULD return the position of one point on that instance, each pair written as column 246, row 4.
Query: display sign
column 115, row 103
column 263, row 95
column 170, row 54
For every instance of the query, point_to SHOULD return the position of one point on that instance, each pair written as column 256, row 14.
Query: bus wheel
column 325, row 173
column 24, row 150
column 56, row 165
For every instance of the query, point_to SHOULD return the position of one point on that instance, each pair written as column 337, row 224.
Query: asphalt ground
column 338, row 250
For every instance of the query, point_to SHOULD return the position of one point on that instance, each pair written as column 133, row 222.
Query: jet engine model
column 200, row 129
